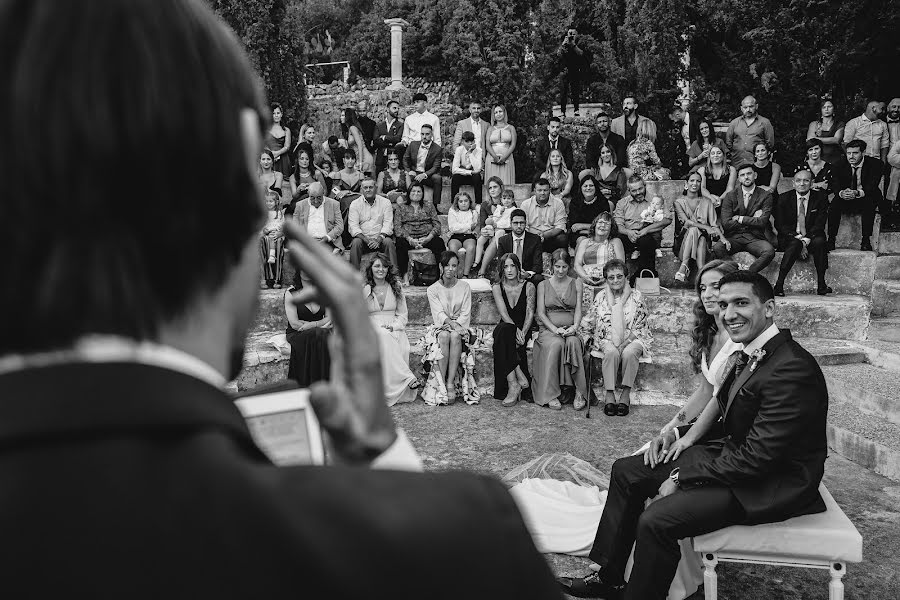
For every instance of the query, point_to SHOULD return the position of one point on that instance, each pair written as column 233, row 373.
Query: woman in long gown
column 307, row 332
column 387, row 307
column 448, row 357
column 594, row 252
column 351, row 132
column 515, row 299
column 697, row 226
column 717, row 178
column 829, row 130
column 278, row 140
column 501, row 138
column 558, row 351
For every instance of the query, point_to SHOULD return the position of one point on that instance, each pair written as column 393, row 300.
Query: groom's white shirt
column 762, row 339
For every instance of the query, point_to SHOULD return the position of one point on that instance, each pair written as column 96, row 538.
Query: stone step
column 879, row 353
column 885, row 329
column 669, row 373
column 838, row 316
column 871, row 389
column 868, row 441
column 886, row 298
column 887, row 266
column 889, row 243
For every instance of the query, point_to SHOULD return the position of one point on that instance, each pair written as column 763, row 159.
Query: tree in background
column 272, row 33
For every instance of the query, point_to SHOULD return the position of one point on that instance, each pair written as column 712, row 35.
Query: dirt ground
column 491, row 439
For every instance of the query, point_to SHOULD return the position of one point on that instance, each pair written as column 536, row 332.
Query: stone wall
column 324, row 103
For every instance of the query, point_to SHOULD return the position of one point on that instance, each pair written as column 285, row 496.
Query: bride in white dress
column 563, row 515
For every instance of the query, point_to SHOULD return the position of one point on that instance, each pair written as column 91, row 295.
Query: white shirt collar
column 803, row 196
column 762, row 339
column 110, row 349
column 518, row 237
column 746, row 193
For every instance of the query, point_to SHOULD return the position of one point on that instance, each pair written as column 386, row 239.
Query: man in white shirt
column 371, row 223
column 869, row 128
column 467, row 165
column 412, row 125
column 546, row 217
column 473, row 123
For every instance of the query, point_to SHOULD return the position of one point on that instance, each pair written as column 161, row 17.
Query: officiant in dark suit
column 756, row 455
column 127, row 470
column 745, row 219
column 800, row 218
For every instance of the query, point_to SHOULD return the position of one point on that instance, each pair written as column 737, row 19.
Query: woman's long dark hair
column 350, row 119
column 409, row 199
column 705, row 329
column 501, row 275
column 711, row 140
column 310, row 169
column 392, row 278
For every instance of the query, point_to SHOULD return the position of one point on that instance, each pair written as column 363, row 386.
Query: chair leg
column 836, row 587
column 710, row 579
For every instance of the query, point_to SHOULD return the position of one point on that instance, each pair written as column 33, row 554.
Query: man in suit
column 366, row 124
column 423, row 160
column 320, row 218
column 388, row 134
column 800, row 218
column 857, row 180
column 626, row 125
column 745, row 219
column 119, row 445
column 553, row 141
column 604, row 136
column 756, row 455
column 475, row 124
column 524, row 244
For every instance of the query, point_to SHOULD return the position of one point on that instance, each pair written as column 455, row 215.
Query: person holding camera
column 573, row 61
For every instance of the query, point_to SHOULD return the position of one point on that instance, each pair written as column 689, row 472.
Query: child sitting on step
column 462, row 221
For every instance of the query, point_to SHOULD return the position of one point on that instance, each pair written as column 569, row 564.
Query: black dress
column 718, row 186
column 507, row 355
column 310, row 360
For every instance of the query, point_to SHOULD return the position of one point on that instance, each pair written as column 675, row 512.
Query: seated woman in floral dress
column 448, row 357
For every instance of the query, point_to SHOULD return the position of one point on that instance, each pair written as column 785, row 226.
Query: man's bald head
column 748, row 107
column 316, row 192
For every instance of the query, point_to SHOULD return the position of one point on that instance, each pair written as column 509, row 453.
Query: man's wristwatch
column 674, row 477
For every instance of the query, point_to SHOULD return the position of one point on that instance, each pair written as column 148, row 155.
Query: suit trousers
column 747, row 242
column 560, row 240
column 570, row 79
column 358, row 248
column 862, row 206
column 792, row 248
column 457, row 180
column 654, row 531
column 435, row 182
column 646, row 245
column 436, row 245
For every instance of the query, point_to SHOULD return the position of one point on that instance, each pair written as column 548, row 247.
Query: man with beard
column 119, row 448
column 627, row 124
column 604, row 135
column 388, row 134
column 367, row 124
column 871, row 129
column 746, row 131
column 670, row 143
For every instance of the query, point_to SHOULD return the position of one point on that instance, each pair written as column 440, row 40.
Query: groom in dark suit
column 745, row 219
column 127, row 470
column 755, row 456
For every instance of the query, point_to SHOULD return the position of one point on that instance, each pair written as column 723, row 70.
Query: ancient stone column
column 396, row 26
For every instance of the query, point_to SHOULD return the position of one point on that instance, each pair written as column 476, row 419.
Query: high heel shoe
column 523, row 381
column 513, row 395
column 682, row 273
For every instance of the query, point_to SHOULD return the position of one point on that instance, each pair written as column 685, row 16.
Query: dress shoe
column 829, row 246
column 779, row 291
column 589, row 587
column 866, row 245
column 824, row 289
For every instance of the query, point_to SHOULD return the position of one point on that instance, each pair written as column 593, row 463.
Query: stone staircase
column 854, row 334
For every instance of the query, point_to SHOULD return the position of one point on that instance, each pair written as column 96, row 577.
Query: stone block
column 871, row 389
column 866, row 440
column 850, row 232
column 887, row 267
column 889, row 243
column 886, row 329
column 886, row 298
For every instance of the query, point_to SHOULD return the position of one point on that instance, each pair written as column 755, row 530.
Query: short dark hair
column 116, row 267
column 813, row 142
column 762, row 289
column 392, row 102
column 468, row 136
column 518, row 212
column 634, row 179
column 601, row 114
column 333, row 140
column 856, row 144
column 426, row 126
column 419, row 96
column 554, row 118
column 541, row 181
column 615, row 263
column 741, row 166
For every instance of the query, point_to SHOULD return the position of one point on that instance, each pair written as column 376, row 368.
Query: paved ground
column 490, row 439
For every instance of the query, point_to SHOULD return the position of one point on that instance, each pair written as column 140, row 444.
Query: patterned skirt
column 435, row 392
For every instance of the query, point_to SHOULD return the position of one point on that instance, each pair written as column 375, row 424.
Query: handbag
column 649, row 286
column 423, row 269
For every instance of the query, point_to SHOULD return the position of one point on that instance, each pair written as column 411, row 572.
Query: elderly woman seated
column 617, row 330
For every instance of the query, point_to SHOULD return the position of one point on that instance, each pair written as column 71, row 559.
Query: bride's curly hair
column 705, row 329
column 392, row 278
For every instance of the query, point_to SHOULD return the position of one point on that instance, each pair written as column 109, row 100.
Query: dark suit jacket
column 368, row 131
column 532, row 251
column 770, row 448
column 733, row 205
column 870, row 176
column 786, row 215
column 592, row 149
column 153, row 474
column 542, row 152
column 392, row 137
column 432, row 159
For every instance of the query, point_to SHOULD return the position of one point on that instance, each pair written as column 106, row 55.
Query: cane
column 590, row 387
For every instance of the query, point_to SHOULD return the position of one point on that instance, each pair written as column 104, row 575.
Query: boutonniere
column 755, row 358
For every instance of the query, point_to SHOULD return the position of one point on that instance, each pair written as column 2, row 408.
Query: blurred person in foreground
column 119, row 446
